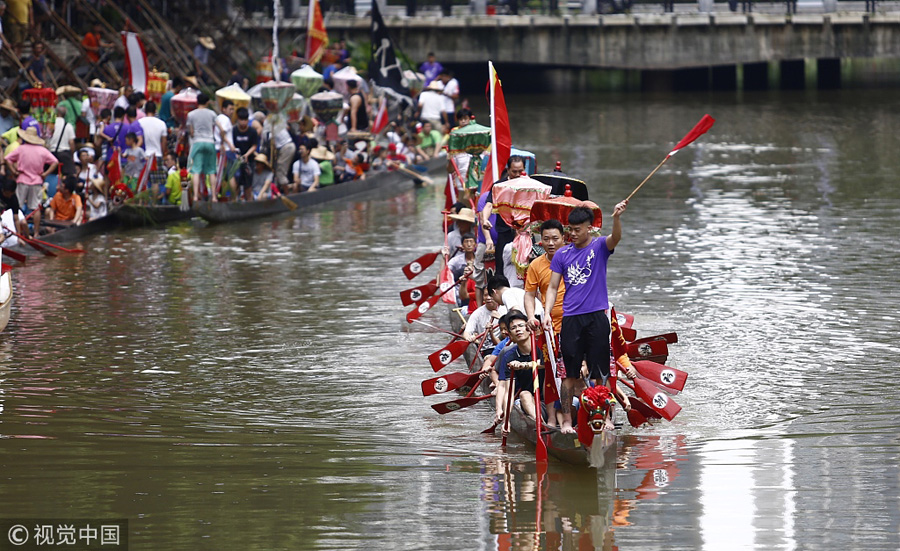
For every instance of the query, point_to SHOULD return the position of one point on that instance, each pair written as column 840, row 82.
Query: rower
column 511, row 297
column 517, row 360
column 585, row 329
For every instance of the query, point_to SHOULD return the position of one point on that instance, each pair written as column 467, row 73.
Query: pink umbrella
column 512, row 200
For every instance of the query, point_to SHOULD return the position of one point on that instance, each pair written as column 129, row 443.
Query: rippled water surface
column 253, row 386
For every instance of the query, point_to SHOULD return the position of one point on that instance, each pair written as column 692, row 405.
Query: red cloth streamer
column 135, row 62
column 316, row 34
column 501, row 138
column 699, row 129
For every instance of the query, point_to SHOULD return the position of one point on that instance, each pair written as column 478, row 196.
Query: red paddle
column 651, row 349
column 541, row 448
column 655, row 398
column 429, row 304
column 34, row 245
column 443, row 357
column 454, row 405
column 15, row 255
column 419, row 294
column 670, row 338
column 45, row 244
column 664, row 375
column 699, row 129
column 418, row 265
column 628, row 333
column 451, row 381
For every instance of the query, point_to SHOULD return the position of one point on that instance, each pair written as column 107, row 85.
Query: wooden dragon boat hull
column 72, row 234
column 566, row 447
column 219, row 213
column 6, row 292
column 137, row 216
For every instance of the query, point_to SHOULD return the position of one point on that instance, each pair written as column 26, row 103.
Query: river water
column 253, row 386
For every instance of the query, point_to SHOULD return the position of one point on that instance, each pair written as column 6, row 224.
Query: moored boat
column 6, row 292
column 71, row 233
column 136, row 216
column 231, row 212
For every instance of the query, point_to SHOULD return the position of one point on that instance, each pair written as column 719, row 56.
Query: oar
column 451, row 381
column 655, row 398
column 34, row 245
column 429, row 304
column 541, row 447
column 651, row 349
column 284, row 199
column 418, row 265
column 699, row 129
column 640, row 413
column 421, row 177
column 45, row 244
column 628, row 333
column 425, row 323
column 4, row 267
column 443, row 357
column 15, row 255
column 455, row 405
column 670, row 338
column 664, row 375
column 418, row 294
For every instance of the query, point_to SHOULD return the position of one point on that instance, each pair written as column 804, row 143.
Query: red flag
column 449, row 193
column 501, row 139
column 114, row 168
column 699, row 129
column 381, row 118
column 316, row 35
column 149, row 166
column 135, row 61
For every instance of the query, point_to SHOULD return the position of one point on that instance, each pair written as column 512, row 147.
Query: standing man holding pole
column 585, row 328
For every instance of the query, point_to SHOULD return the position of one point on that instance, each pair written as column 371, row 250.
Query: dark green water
column 253, row 386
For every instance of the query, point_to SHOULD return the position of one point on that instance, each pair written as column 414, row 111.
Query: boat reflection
column 562, row 507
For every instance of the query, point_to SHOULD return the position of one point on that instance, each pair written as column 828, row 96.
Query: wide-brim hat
column 321, row 153
column 89, row 148
column 97, row 83
column 192, row 81
column 9, row 105
column 261, row 158
column 67, row 89
column 30, row 136
column 99, row 182
column 435, row 85
column 464, row 215
column 207, row 42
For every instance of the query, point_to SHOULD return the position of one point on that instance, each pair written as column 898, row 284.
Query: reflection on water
column 249, row 386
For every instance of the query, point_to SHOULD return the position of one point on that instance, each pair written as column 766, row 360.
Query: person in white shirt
column 155, row 146
column 306, row 171
column 511, row 297
column 62, row 143
column 96, row 200
column 431, row 104
column 450, row 95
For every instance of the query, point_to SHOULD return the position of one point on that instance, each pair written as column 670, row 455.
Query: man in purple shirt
column 431, row 69
column 585, row 327
column 114, row 132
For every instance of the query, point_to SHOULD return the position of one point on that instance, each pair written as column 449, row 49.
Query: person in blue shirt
column 431, row 68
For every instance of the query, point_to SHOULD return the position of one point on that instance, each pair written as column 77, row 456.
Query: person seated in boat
column 10, row 201
column 486, row 316
column 466, row 296
column 96, row 199
column 172, row 194
column 515, row 364
column 262, row 178
column 306, row 171
column 458, row 263
column 511, row 297
column 66, row 204
column 489, row 366
column 463, row 222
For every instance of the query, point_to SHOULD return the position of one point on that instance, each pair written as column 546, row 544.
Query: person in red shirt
column 93, row 43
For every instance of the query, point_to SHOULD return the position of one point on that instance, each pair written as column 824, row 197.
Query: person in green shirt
column 70, row 98
column 325, row 158
column 429, row 141
column 173, row 180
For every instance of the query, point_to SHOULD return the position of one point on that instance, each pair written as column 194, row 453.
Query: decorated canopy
column 156, row 85
column 562, row 183
column 326, row 106
column 101, row 98
column 183, row 103
column 512, row 201
column 472, row 139
column 559, row 208
column 256, row 97
column 43, row 107
column 276, row 95
column 236, row 95
column 306, row 80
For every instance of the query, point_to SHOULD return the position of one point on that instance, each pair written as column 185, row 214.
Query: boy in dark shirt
column 246, row 140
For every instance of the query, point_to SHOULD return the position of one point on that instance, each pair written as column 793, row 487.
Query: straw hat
column 67, row 89
column 464, row 215
column 9, row 105
column 97, row 83
column 435, row 85
column 192, row 81
column 321, row 153
column 99, row 182
column 30, row 136
column 207, row 42
column 261, row 158
column 89, row 149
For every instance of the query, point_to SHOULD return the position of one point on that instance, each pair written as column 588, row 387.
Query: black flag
column 384, row 69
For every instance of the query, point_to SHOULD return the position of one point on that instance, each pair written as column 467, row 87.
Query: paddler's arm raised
column 616, row 234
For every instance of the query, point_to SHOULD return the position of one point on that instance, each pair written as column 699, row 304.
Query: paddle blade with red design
column 440, row 359
column 451, row 381
column 455, row 405
column 15, row 255
column 635, row 417
column 418, row 265
column 670, row 338
column 664, row 375
column 628, row 333
column 647, row 350
column 656, row 399
column 422, row 308
column 705, row 123
column 419, row 294
column 624, row 320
